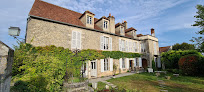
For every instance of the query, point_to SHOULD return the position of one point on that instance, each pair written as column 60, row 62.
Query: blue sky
column 171, row 19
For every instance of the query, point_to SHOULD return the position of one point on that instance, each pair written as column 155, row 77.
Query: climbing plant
column 49, row 64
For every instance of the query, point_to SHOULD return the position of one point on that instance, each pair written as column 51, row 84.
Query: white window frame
column 106, row 68
column 89, row 19
column 123, row 45
column 105, row 24
column 76, row 42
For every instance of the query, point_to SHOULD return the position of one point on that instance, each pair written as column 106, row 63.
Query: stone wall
column 76, row 87
column 44, row 33
column 6, row 60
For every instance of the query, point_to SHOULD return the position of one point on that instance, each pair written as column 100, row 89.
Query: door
column 144, row 63
column 93, row 69
column 131, row 65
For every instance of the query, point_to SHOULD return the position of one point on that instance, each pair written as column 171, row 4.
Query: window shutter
column 135, row 62
column 120, row 48
column 102, row 65
column 111, row 64
column 140, row 62
column 74, row 39
column 127, row 60
column 155, row 49
column 78, row 40
column 120, row 63
column 102, row 40
column 110, row 43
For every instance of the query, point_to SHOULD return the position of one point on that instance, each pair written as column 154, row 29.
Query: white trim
column 102, row 65
column 111, row 64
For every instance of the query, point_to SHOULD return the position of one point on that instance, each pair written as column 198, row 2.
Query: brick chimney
column 125, row 24
column 152, row 32
column 112, row 23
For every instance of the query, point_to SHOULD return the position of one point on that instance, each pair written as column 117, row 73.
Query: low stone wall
column 76, row 87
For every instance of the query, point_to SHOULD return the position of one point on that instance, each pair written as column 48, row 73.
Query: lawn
column 148, row 82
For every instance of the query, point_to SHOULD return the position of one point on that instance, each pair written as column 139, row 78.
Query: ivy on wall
column 33, row 65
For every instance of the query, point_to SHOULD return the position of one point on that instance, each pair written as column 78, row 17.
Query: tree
column 200, row 23
column 183, row 46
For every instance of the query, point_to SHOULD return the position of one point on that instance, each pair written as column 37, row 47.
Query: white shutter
column 110, row 43
column 127, row 65
column 120, row 63
column 78, row 40
column 135, row 62
column 102, row 65
column 140, row 62
column 74, row 34
column 120, row 47
column 155, row 49
column 111, row 64
column 102, row 44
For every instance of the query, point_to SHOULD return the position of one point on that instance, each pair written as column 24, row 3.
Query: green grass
column 101, row 86
column 147, row 82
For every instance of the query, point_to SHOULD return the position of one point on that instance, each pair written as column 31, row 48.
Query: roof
column 50, row 11
column 53, row 12
column 139, row 35
column 118, row 24
column 101, row 19
column 129, row 29
column 164, row 49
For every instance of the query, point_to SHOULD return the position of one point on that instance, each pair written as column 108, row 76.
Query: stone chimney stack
column 125, row 24
column 112, row 23
column 152, row 32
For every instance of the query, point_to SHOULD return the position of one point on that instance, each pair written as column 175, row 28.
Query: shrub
column 172, row 57
column 189, row 64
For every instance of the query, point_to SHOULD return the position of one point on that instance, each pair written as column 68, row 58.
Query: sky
column 171, row 19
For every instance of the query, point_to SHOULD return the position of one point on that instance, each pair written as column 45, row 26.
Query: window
column 123, row 45
column 106, row 64
column 143, row 46
column 130, row 46
column 93, row 65
column 123, row 62
column 76, row 40
column 134, row 33
column 134, row 47
column 105, row 24
column 89, row 19
column 121, row 29
column 106, row 43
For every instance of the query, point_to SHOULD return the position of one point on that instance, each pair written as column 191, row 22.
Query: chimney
column 112, row 23
column 152, row 32
column 125, row 24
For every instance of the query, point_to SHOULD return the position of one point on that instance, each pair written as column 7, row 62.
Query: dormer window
column 121, row 29
column 134, row 33
column 105, row 24
column 89, row 19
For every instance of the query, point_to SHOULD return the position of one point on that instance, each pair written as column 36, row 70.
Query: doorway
column 144, row 63
column 93, row 68
column 131, row 65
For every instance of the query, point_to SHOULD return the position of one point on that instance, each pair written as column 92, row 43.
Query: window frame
column 106, row 68
column 105, row 24
column 89, row 19
column 106, row 43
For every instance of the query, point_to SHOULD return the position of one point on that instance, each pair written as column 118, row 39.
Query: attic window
column 89, row 19
column 121, row 29
column 105, row 24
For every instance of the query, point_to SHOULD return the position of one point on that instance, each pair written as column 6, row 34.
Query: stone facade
column 6, row 60
column 44, row 32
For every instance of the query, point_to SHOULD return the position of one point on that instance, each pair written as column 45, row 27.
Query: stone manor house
column 49, row 24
